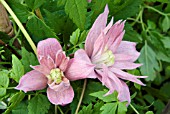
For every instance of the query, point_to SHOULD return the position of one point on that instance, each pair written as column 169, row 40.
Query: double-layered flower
column 53, row 63
column 106, row 56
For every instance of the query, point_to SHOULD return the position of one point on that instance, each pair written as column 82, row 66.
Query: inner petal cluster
column 56, row 76
column 107, row 58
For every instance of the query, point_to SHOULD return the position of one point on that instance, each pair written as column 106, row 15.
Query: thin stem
column 134, row 109
column 55, row 109
column 60, row 110
column 141, row 19
column 29, row 97
column 81, row 97
column 152, row 8
column 20, row 25
column 5, row 63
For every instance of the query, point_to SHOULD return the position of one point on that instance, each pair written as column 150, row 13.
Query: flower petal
column 128, row 48
column 125, row 65
column 79, row 69
column 41, row 68
column 47, row 62
column 95, row 31
column 48, row 47
column 32, row 80
column 60, row 97
column 124, row 94
column 126, row 76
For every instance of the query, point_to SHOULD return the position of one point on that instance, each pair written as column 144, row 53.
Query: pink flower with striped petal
column 53, row 63
column 105, row 57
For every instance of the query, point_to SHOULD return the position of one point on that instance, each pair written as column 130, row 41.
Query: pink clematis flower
column 105, row 56
column 53, row 63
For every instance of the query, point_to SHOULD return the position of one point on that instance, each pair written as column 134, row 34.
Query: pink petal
column 82, row 55
column 125, row 65
column 126, row 76
column 128, row 48
column 122, row 57
column 42, row 69
column 60, row 56
column 124, row 94
column 48, row 47
column 89, row 1
column 47, row 62
column 95, row 31
column 79, row 69
column 60, row 97
column 32, row 80
column 64, row 64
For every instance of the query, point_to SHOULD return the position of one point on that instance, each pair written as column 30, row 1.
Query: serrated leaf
column 166, row 24
column 91, row 88
column 109, row 108
column 34, row 4
column 21, row 108
column 28, row 59
column 76, row 9
column 150, row 64
column 97, row 106
column 86, row 110
column 39, row 30
column 108, row 98
column 20, row 10
column 14, row 101
column 38, row 105
column 122, row 109
column 75, row 37
column 17, row 69
column 122, row 10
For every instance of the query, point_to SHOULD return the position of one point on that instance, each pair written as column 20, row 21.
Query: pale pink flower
column 89, row 1
column 53, row 63
column 105, row 57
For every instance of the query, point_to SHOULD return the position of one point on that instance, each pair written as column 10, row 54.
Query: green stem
column 2, row 63
column 141, row 19
column 60, row 110
column 81, row 97
column 152, row 8
column 134, row 109
column 20, row 25
column 55, row 109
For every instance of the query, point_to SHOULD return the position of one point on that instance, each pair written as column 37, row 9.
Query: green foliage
column 150, row 64
column 38, row 105
column 34, row 4
column 17, row 69
column 76, row 9
column 39, row 29
column 21, row 108
column 74, row 37
column 14, row 101
column 28, row 59
column 4, row 82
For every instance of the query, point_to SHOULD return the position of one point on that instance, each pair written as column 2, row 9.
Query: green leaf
column 76, row 9
column 108, row 98
column 109, row 108
column 39, row 30
column 164, row 89
column 166, row 42
column 75, row 37
column 4, row 37
column 21, row 108
column 149, row 112
column 28, row 59
column 4, row 79
column 17, row 69
column 97, row 106
column 86, row 110
column 166, row 24
column 151, row 24
column 2, row 92
column 38, row 105
column 3, row 105
column 122, row 10
column 20, row 10
column 97, row 7
column 91, row 88
column 122, row 109
column 150, row 64
column 34, row 4
column 14, row 101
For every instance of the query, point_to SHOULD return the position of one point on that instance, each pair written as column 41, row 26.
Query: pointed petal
column 122, row 57
column 42, row 69
column 48, row 47
column 47, row 62
column 128, row 48
column 78, row 69
column 126, row 76
column 60, row 97
column 60, row 55
column 124, row 94
column 82, row 55
column 95, row 31
column 64, row 64
column 32, row 80
column 125, row 65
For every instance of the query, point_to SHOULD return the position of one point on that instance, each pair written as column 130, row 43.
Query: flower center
column 56, row 75
column 106, row 58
